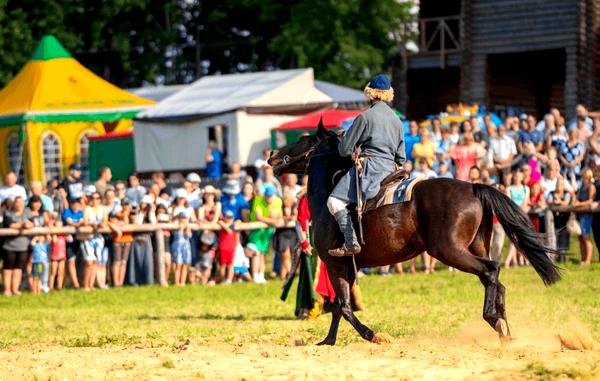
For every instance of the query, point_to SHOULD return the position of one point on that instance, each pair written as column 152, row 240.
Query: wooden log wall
column 509, row 26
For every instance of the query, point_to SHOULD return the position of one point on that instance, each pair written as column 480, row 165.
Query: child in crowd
column 585, row 197
column 181, row 251
column 241, row 263
column 163, row 217
column 121, row 243
column 39, row 261
column 444, row 171
column 58, row 254
column 208, row 240
column 228, row 241
column 423, row 170
column 519, row 194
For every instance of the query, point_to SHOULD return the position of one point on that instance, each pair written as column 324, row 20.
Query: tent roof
column 332, row 118
column 54, row 87
column 157, row 93
column 341, row 94
column 275, row 91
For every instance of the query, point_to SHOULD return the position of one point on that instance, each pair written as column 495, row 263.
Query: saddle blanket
column 394, row 192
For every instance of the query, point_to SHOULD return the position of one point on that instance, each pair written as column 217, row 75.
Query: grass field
column 441, row 309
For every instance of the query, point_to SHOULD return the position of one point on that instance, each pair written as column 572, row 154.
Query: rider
column 378, row 131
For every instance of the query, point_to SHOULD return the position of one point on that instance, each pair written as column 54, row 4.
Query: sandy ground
column 474, row 354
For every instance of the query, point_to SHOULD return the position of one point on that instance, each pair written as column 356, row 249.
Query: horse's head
column 294, row 158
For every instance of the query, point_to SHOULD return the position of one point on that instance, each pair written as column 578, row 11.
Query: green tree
column 132, row 42
column 344, row 41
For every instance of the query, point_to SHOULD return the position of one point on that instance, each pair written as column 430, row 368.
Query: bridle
column 308, row 154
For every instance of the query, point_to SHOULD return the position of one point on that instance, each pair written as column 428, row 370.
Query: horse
column 449, row 219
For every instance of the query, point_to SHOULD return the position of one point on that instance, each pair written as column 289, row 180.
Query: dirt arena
column 474, row 354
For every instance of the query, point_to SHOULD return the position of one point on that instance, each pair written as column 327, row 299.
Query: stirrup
column 345, row 251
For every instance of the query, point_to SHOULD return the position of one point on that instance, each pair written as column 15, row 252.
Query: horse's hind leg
column 500, row 298
column 487, row 271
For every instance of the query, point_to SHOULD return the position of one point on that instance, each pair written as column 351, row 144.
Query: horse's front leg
column 342, row 277
column 336, row 315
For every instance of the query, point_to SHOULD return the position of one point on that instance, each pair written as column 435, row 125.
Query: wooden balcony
column 438, row 36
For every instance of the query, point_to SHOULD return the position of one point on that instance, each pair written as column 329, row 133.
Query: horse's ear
column 321, row 130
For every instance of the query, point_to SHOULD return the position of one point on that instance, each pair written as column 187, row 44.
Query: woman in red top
column 537, row 203
column 323, row 286
column 466, row 155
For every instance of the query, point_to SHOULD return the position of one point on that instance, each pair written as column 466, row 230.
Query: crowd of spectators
column 107, row 255
column 536, row 163
column 550, row 162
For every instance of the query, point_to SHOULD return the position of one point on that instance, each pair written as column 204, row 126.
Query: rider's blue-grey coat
column 379, row 133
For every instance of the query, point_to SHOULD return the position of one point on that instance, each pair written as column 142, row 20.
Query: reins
column 308, row 155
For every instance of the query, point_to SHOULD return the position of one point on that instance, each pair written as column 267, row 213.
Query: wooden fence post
column 159, row 238
column 550, row 230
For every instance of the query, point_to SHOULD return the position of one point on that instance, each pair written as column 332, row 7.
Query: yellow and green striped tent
column 50, row 108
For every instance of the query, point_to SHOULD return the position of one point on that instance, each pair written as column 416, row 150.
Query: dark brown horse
column 450, row 219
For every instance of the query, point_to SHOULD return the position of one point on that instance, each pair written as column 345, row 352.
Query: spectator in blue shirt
column 411, row 138
column 233, row 201
column 73, row 216
column 214, row 163
column 528, row 133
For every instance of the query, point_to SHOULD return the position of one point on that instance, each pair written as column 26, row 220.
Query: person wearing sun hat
column 378, row 132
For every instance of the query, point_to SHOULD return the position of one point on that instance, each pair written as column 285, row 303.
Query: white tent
column 237, row 111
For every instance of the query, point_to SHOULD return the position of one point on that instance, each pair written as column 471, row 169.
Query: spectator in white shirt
column 583, row 116
column 135, row 191
column 502, row 151
column 12, row 190
column 194, row 193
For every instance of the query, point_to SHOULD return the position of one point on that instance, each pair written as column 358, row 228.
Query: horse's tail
column 520, row 230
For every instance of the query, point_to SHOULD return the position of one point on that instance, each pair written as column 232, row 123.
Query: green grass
column 424, row 306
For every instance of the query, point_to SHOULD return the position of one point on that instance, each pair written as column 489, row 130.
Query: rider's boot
column 350, row 246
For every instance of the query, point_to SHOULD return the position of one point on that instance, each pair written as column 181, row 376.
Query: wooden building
column 528, row 55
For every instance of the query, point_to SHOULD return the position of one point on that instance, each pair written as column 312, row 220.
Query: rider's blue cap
column 380, row 82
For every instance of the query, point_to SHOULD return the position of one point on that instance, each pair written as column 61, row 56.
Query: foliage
column 345, row 41
column 131, row 42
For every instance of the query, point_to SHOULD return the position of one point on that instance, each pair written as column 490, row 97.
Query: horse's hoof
column 381, row 338
column 326, row 342
column 503, row 332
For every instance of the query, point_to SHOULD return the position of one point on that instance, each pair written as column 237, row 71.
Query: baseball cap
column 228, row 213
column 181, row 193
column 232, row 186
column 75, row 167
column 193, row 178
column 252, row 246
column 89, row 190
column 269, row 191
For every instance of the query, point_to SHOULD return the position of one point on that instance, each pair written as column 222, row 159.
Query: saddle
column 394, row 189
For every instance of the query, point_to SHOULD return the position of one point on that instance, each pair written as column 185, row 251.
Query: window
column 14, row 148
column 51, row 157
column 84, row 150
